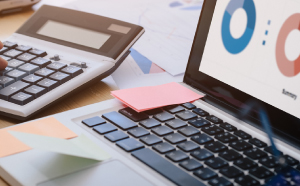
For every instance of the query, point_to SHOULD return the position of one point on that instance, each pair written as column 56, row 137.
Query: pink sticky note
column 146, row 98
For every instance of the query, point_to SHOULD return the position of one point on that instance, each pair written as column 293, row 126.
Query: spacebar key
column 166, row 168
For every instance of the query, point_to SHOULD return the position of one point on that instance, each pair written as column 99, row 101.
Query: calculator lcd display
column 73, row 34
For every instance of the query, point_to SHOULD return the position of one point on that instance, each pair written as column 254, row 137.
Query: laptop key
column 205, row 174
column 49, row 84
column 290, row 160
column 29, row 68
column 202, row 139
column 133, row 115
column 8, row 91
column 214, row 119
column 177, row 156
column 255, row 153
column 118, row 119
column 199, row 122
column 16, row 74
column 202, row 154
column 116, row 136
column 245, row 163
column 12, row 53
column 261, row 172
column 269, row 161
column 162, row 130
column 150, row 139
column 130, row 144
column 72, row 70
column 189, row 131
column 138, row 132
column 186, row 115
column 35, row 91
column 216, row 147
column 14, row 63
column 174, row 108
column 5, row 71
column 91, row 122
column 220, row 181
column 26, row 57
column 200, row 112
column 21, row 98
column 269, row 150
column 176, row 123
column 166, row 168
column 226, row 137
column 175, row 138
column 212, row 130
column 247, row 180
column 230, row 155
column 105, row 128
column 23, row 48
column 189, row 105
column 5, row 81
column 231, row 172
column 60, row 77
column 240, row 145
column 163, row 147
column 37, row 52
column 191, row 164
column 242, row 134
column 150, row 123
column 228, row 127
column 44, row 72
column 188, row 146
column 257, row 142
column 41, row 62
column 164, row 116
column 10, row 44
column 216, row 163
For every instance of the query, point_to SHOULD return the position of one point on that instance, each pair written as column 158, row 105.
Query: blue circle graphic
column 232, row 45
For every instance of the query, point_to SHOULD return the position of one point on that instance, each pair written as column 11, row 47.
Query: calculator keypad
column 29, row 75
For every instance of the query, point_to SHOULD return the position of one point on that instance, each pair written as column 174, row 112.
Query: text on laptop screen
column 254, row 46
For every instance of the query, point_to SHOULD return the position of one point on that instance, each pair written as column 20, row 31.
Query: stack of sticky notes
column 146, row 98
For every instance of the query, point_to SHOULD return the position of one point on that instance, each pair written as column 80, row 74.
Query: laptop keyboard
column 179, row 140
column 29, row 75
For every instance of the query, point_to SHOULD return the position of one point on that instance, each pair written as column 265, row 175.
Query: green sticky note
column 81, row 146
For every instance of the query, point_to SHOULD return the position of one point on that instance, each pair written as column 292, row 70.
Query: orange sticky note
column 146, row 98
column 48, row 127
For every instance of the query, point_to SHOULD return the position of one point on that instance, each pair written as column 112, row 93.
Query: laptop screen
column 255, row 48
column 250, row 50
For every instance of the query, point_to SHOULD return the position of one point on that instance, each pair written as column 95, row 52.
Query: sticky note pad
column 48, row 127
column 146, row 98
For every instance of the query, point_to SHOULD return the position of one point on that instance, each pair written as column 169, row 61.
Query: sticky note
column 48, row 127
column 81, row 146
column 146, row 98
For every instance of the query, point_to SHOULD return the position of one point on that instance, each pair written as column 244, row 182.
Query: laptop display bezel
column 228, row 98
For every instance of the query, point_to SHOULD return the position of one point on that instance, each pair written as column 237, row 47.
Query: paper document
column 48, row 127
column 170, row 26
column 146, row 98
column 138, row 71
column 81, row 146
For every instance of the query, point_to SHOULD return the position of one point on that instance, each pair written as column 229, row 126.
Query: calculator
column 57, row 52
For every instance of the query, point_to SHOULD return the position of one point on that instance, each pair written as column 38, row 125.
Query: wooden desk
column 95, row 93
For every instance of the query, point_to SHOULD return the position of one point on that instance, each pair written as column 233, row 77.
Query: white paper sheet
column 170, row 26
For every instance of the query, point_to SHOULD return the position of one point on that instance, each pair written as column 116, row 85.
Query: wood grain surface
column 95, row 93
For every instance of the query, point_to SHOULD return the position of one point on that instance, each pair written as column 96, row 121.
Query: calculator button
column 41, row 62
column 74, row 71
column 200, row 112
column 189, row 106
column 21, row 98
column 242, row 134
column 255, row 153
column 150, row 139
column 5, row 71
column 119, row 120
column 91, row 122
column 240, row 145
column 269, row 150
column 175, row 138
column 189, row 131
column 212, row 130
column 199, row 122
column 138, row 132
column 220, row 181
column 228, row 127
column 33, row 79
column 5, row 57
column 174, row 109
column 188, row 146
column 48, row 83
column 10, row 44
column 116, row 136
column 4, row 49
column 105, row 128
column 177, row 155
column 56, row 66
column 261, row 172
column 30, row 68
column 26, row 57
column 60, row 77
column 269, row 161
column 5, row 81
column 202, row 154
column 163, row 147
column 130, row 144
column 133, row 115
column 150, row 123
column 230, row 155
column 202, row 139
column 14, row 63
column 164, row 116
column 290, row 160
column 257, row 142
column 6, row 92
column 12, row 53
column 205, row 174
column 245, row 163
column 216, row 163
column 231, row 172
column 162, row 130
column 191, row 164
column 186, row 115
column 247, row 181
column 216, row 147
column 37, row 52
column 36, row 91
column 23, row 48
column 176, row 123
column 153, row 111
column 44, row 72
column 16, row 74
column 214, row 119
column 226, row 137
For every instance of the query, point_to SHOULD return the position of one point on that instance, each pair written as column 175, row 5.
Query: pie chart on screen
column 287, row 68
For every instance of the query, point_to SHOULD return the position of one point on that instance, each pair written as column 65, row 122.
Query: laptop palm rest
column 112, row 173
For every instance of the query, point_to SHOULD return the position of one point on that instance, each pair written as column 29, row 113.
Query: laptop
column 205, row 142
